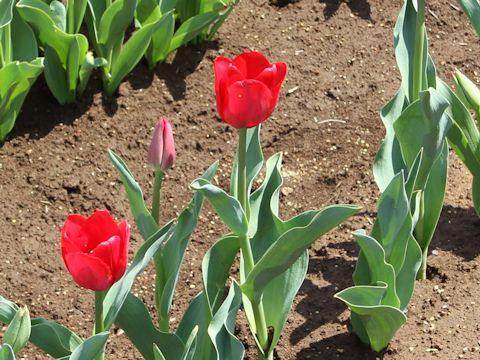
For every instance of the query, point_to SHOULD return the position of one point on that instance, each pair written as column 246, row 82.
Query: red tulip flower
column 247, row 88
column 95, row 250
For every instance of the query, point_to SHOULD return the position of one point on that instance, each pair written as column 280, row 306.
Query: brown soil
column 341, row 67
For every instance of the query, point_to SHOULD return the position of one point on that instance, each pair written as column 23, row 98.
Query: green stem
column 420, row 237
column 157, row 185
column 247, row 254
column 418, row 74
column 99, row 326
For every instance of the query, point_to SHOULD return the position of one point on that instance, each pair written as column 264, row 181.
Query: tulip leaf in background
column 472, row 10
column 66, row 52
column 199, row 20
column 19, row 65
column 387, row 265
column 416, row 118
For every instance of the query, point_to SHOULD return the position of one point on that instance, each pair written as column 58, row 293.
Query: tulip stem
column 247, row 254
column 418, row 70
column 99, row 326
column 156, row 195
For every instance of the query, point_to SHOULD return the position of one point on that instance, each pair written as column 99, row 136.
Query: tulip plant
column 68, row 63
column 19, row 65
column 199, row 20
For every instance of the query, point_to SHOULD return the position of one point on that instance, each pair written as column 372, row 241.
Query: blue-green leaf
column 6, row 352
column 91, row 347
column 472, row 10
column 53, row 338
column 6, row 12
column 114, row 22
column 18, row 332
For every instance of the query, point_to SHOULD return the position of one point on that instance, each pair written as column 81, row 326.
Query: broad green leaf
column 253, row 160
column 393, row 226
column 118, row 292
column 174, row 250
column 222, row 327
column 159, row 46
column 91, row 347
column 157, row 354
column 216, row 266
column 290, row 246
column 53, row 338
column 6, row 352
column 55, row 75
column 380, row 270
column 472, row 10
column 406, row 276
column 6, row 12
column 8, row 310
column 58, row 13
column 76, row 12
column 434, row 195
column 227, row 207
column 374, row 323
column 22, row 74
column 191, row 28
column 130, row 55
column 147, row 12
column 135, row 320
column 18, row 332
column 423, row 124
column 114, row 22
column 143, row 218
column 220, row 20
column 167, row 5
column 93, row 15
column 74, row 59
column 22, row 34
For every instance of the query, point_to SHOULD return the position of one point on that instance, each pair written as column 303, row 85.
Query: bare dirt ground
column 341, row 72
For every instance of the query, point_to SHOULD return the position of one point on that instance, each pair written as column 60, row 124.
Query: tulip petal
column 247, row 103
column 88, row 271
column 100, row 227
column 168, row 157
column 73, row 235
column 251, row 64
column 273, row 77
column 110, row 252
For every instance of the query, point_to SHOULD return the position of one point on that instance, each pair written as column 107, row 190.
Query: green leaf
column 79, row 8
column 53, row 338
column 374, row 323
column 290, row 246
column 147, row 12
column 8, row 310
column 22, row 34
column 6, row 12
column 191, row 28
column 117, row 294
column 157, row 354
column 6, row 352
column 472, row 10
column 143, row 218
column 159, row 46
column 476, row 195
column 379, row 269
column 130, row 55
column 58, row 14
column 167, row 5
column 89, row 63
column 55, row 75
column 135, row 320
column 17, row 78
column 91, row 347
column 423, row 124
column 114, row 22
column 174, row 250
column 18, row 332
column 405, row 280
column 75, row 56
column 222, row 327
column 190, row 345
column 227, row 207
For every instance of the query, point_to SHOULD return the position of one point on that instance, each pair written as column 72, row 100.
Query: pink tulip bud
column 161, row 154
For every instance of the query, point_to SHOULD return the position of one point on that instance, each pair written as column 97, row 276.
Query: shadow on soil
column 360, row 8
column 458, row 231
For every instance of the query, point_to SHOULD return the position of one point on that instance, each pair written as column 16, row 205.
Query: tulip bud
column 467, row 91
column 18, row 332
column 161, row 154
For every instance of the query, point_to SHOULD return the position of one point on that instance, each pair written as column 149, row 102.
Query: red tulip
column 161, row 153
column 95, row 250
column 247, row 88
